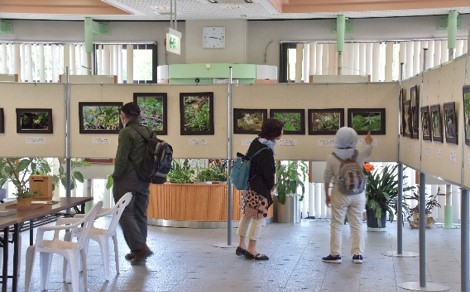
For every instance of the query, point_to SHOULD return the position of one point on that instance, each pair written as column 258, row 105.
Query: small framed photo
column 466, row 113
column 406, row 119
column 99, row 117
column 197, row 113
column 436, row 123
column 34, row 120
column 325, row 121
column 415, row 108
column 153, row 111
column 450, row 122
column 2, row 121
column 364, row 120
column 248, row 121
column 425, row 123
column 293, row 119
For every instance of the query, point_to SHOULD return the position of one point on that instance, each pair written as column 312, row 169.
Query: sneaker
column 357, row 259
column 332, row 259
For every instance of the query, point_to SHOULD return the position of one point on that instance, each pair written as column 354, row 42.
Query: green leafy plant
column 181, row 173
column 215, row 172
column 290, row 177
column 382, row 191
column 430, row 202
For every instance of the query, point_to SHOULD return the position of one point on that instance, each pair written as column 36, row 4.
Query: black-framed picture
column 248, row 121
column 436, row 123
column 153, row 111
column 197, row 113
column 364, row 120
column 2, row 121
column 293, row 119
column 406, row 120
column 466, row 113
column 325, row 121
column 450, row 122
column 426, row 123
column 99, row 117
column 415, row 107
column 34, row 120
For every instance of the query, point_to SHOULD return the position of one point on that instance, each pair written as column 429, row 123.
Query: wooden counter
column 192, row 205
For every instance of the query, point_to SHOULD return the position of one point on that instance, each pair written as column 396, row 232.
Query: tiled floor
column 199, row 260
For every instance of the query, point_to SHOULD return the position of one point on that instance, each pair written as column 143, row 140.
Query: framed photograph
column 325, row 121
column 293, row 119
column 153, row 111
column 436, row 123
column 414, row 96
column 2, row 121
column 34, row 120
column 450, row 122
column 248, row 121
column 406, row 119
column 425, row 123
column 99, row 117
column 466, row 113
column 402, row 100
column 364, row 120
column 197, row 113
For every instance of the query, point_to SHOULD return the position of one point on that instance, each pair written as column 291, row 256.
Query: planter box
column 42, row 184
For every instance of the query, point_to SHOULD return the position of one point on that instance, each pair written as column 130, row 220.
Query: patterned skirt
column 254, row 205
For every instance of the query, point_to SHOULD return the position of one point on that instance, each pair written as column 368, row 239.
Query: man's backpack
column 351, row 179
column 240, row 172
column 157, row 158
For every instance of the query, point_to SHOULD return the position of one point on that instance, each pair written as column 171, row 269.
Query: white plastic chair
column 102, row 234
column 72, row 251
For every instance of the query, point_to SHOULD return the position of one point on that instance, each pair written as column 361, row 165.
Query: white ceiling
column 224, row 9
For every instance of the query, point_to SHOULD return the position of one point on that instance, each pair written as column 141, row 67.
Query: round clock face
column 213, row 37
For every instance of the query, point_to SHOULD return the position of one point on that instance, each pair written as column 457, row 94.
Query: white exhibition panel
column 32, row 95
column 321, row 96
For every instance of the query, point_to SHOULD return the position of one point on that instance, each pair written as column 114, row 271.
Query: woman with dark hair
column 257, row 199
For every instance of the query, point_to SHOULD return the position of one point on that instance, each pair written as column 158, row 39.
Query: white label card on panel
column 197, row 142
column 35, row 140
column 439, row 153
column 325, row 142
column 362, row 143
column 427, row 151
column 246, row 142
column 453, row 156
column 288, row 142
column 101, row 141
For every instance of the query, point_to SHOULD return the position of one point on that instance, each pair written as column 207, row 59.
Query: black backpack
column 156, row 162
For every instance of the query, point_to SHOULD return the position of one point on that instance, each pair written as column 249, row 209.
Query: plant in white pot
column 290, row 178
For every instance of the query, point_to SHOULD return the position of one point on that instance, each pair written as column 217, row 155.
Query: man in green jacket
column 131, row 147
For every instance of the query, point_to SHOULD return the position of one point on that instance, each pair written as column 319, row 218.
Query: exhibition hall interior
column 206, row 74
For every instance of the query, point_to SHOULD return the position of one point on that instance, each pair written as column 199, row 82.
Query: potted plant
column 430, row 203
column 181, row 173
column 381, row 194
column 290, row 178
column 215, row 173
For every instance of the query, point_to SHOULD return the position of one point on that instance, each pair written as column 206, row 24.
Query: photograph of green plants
column 293, row 119
column 450, row 120
column 33, row 120
column 99, row 117
column 425, row 123
column 248, row 121
column 153, row 111
column 414, row 95
column 406, row 118
column 325, row 121
column 466, row 113
column 197, row 113
column 436, row 122
column 364, row 120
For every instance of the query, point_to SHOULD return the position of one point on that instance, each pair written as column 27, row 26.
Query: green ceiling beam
column 348, row 28
column 6, row 27
column 92, row 28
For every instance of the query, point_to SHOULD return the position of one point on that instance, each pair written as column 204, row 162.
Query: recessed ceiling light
column 212, row 1
column 249, row 1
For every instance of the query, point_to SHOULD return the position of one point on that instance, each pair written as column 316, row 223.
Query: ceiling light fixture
column 249, row 1
column 212, row 1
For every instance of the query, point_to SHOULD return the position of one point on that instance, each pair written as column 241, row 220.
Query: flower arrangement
column 368, row 167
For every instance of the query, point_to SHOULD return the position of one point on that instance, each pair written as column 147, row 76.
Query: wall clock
column 213, row 37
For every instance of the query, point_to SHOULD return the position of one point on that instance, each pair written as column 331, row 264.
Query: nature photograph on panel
column 293, row 119
column 406, row 119
column 197, row 113
column 34, row 120
column 364, row 120
column 450, row 123
column 414, row 96
column 325, row 121
column 248, row 121
column 99, row 117
column 466, row 113
column 153, row 111
column 2, row 121
column 425, row 123
column 436, row 123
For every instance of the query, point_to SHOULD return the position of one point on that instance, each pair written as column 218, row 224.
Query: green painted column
column 452, row 32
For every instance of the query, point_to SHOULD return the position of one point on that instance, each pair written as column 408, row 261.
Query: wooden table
column 17, row 220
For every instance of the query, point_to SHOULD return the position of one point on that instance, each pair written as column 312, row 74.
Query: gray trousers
column 134, row 218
